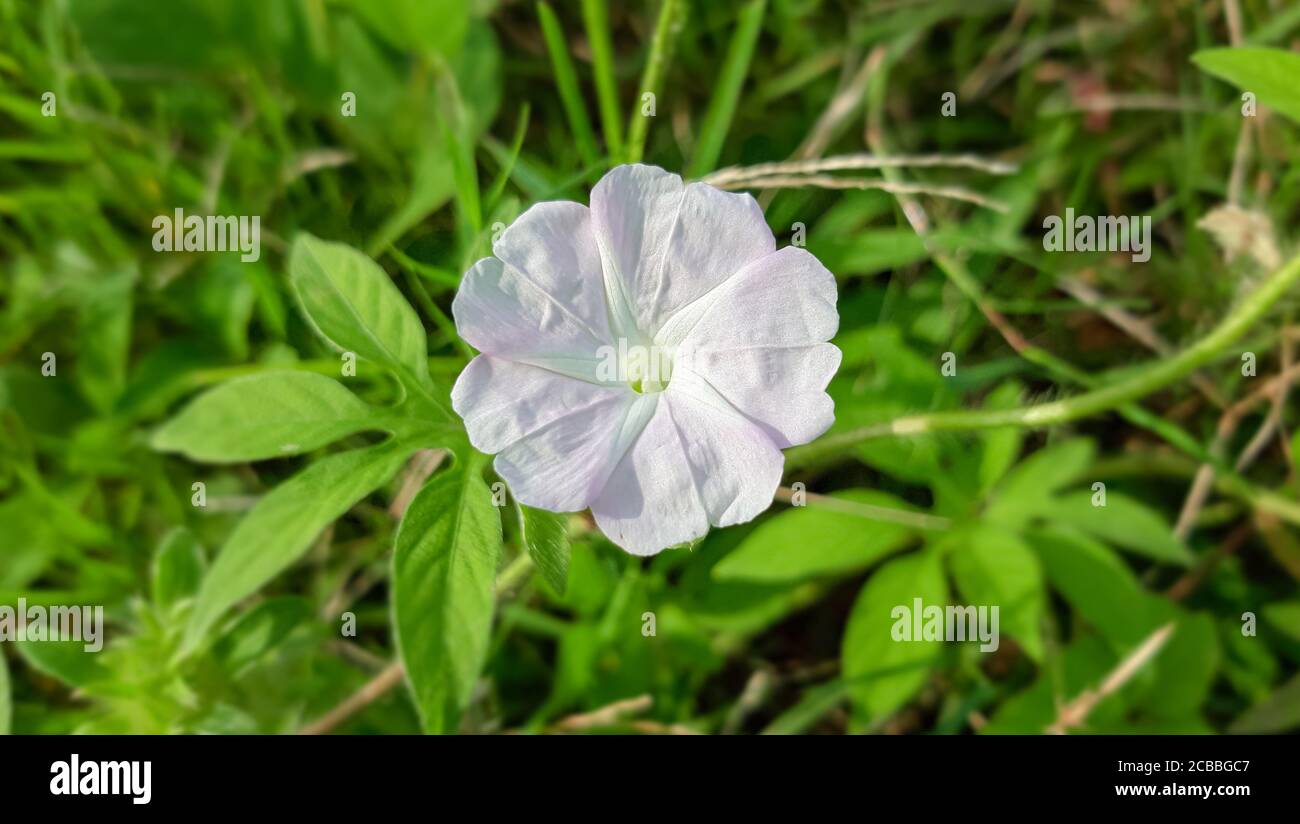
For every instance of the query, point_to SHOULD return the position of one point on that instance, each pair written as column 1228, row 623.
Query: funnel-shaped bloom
column 648, row 357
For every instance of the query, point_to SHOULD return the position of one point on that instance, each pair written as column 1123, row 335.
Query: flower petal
column 541, row 300
column 563, row 465
column 503, row 401
column 781, row 388
column 665, row 245
column 553, row 246
column 649, row 502
column 784, row 299
column 736, row 466
column 697, row 462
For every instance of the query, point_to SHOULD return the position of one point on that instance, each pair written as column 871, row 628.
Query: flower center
column 646, row 369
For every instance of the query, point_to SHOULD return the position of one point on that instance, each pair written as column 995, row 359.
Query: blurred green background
column 466, row 113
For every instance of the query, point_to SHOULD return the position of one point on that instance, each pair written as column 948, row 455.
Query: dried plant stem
column 391, row 675
column 831, row 182
column 1140, row 383
column 859, row 162
column 605, row 716
column 842, row 106
column 373, row 690
column 1276, row 389
column 1075, row 713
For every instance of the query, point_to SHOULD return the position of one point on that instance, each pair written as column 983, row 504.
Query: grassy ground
column 951, row 485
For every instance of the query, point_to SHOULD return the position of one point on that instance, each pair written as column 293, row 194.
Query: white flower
column 648, row 357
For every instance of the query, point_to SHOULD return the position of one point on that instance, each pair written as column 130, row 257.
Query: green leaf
column 444, row 566
column 999, row 447
column 354, row 305
column 268, row 415
column 281, row 527
column 1124, row 522
column 1093, row 580
column 104, row 338
column 883, row 673
column 422, row 26
column 177, row 568
column 566, row 85
column 67, row 661
column 259, row 630
column 779, row 549
column 995, row 567
column 546, row 535
column 1186, row 666
column 1284, row 616
column 1026, row 489
column 1280, row 712
column 1269, row 73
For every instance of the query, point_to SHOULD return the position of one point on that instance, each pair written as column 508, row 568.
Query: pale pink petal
column 786, row 298
column 565, row 464
column 781, row 388
column 665, row 245
column 698, row 462
column 502, row 401
column 650, row 501
column 501, row 312
column 735, row 465
column 553, row 246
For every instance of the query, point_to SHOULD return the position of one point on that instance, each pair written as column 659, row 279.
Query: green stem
column 515, row 573
column 726, row 94
column 1143, row 382
column 661, row 45
column 595, row 17
column 566, row 82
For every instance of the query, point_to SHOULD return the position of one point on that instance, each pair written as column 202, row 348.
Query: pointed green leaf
column 177, row 568
column 884, row 673
column 1124, row 522
column 281, row 527
column 995, row 567
column 268, row 415
column 1093, row 580
column 444, row 567
column 354, row 305
column 1024, row 490
column 546, row 534
column 1269, row 73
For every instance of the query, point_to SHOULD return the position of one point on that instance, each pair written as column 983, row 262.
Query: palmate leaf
column 1027, row 489
column 1124, row 522
column 883, row 673
column 779, row 550
column 280, row 528
column 267, row 415
column 444, row 567
column 994, row 567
